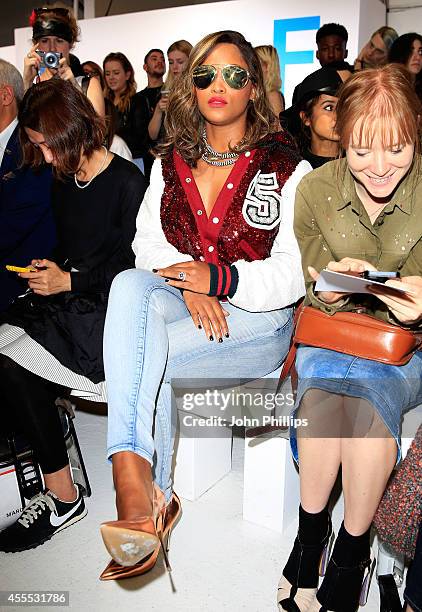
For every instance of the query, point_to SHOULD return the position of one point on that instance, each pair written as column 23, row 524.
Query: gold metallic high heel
column 165, row 523
column 129, row 542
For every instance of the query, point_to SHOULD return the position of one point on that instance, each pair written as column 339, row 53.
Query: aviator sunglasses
column 234, row 76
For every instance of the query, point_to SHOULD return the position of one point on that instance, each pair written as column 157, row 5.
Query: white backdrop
column 409, row 20
column 135, row 33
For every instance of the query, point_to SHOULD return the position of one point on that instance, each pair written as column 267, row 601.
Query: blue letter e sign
column 281, row 27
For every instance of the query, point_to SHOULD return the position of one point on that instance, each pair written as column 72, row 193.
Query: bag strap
column 288, row 365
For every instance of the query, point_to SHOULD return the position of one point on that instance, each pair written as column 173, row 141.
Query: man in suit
column 26, row 223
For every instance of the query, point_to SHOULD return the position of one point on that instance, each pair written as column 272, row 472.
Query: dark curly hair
column 332, row 29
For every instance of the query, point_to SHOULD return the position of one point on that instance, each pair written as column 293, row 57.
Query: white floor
column 220, row 562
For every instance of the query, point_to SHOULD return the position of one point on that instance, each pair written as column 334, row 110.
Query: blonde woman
column 270, row 64
column 178, row 57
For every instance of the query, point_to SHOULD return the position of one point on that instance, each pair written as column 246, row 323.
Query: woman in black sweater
column 51, row 339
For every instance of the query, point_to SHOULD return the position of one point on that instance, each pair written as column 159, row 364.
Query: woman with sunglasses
column 218, row 272
column 54, row 30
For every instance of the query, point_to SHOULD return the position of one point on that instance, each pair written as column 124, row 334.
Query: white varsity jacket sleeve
column 150, row 245
column 277, row 281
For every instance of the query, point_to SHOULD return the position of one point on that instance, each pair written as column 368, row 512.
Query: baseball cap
column 326, row 80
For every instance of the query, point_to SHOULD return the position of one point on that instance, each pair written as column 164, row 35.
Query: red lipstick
column 217, row 102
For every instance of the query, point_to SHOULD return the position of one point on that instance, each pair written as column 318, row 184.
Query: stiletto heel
column 325, row 557
column 164, row 550
column 366, row 583
column 165, row 525
column 170, row 531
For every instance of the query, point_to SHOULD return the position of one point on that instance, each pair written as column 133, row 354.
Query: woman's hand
column 406, row 308
column 207, row 313
column 64, row 71
column 163, row 103
column 347, row 264
column 157, row 118
column 31, row 66
column 197, row 276
column 50, row 281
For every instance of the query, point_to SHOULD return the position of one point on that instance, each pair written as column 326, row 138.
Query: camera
column 50, row 59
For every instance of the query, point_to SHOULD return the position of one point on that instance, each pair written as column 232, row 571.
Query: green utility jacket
column 331, row 223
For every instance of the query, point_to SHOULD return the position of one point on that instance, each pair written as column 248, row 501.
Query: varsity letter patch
column 262, row 205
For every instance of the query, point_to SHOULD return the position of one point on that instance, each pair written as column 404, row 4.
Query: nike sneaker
column 43, row 516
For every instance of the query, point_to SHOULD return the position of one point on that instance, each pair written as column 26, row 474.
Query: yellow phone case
column 19, row 269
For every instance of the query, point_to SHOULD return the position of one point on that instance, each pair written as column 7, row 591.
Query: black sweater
column 96, row 225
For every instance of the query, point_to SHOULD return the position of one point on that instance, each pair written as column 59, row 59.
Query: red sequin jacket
column 250, row 226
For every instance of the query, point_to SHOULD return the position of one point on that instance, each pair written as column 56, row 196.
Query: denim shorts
column 392, row 390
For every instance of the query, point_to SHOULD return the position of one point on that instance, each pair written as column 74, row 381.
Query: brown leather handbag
column 351, row 333
column 356, row 334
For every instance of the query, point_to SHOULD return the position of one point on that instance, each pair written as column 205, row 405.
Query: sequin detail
column 236, row 239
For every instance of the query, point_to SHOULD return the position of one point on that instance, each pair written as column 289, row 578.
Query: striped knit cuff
column 223, row 280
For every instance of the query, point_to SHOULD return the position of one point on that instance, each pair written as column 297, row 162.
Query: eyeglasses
column 64, row 12
column 234, row 76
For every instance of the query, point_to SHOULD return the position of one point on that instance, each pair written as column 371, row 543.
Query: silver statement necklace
column 96, row 174
column 214, row 158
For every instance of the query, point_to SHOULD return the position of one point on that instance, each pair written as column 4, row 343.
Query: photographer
column 54, row 34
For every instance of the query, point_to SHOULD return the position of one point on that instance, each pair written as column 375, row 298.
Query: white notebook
column 345, row 283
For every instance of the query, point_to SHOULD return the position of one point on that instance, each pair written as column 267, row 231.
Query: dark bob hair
column 401, row 49
column 67, row 120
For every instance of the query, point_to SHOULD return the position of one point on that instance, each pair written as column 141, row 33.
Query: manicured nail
column 166, row 280
column 220, row 339
column 199, row 326
column 154, row 270
column 227, row 335
column 211, row 338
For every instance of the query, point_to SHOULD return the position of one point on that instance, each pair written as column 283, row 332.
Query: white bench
column 271, row 483
column 202, row 461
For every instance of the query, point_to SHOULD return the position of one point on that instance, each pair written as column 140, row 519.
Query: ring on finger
column 29, row 55
column 182, row 276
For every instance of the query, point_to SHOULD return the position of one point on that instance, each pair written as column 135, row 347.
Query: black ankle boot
column 346, row 582
column 307, row 560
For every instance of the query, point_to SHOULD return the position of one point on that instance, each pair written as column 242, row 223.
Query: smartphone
column 380, row 277
column 19, row 269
